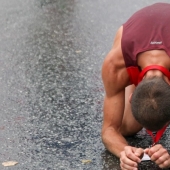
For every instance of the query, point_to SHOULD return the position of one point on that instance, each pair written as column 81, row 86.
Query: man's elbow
column 103, row 137
column 106, row 134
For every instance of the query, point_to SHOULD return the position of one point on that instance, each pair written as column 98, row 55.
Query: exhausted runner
column 136, row 78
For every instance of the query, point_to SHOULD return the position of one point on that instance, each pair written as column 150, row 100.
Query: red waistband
column 136, row 76
column 153, row 67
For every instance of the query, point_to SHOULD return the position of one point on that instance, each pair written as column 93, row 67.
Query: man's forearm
column 113, row 141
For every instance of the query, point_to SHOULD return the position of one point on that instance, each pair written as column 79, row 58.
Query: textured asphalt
column 51, row 93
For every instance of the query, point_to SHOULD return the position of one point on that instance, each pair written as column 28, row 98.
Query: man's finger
column 162, row 159
column 130, row 154
column 154, row 149
column 165, row 164
column 127, row 167
column 160, row 156
column 139, row 152
column 146, row 150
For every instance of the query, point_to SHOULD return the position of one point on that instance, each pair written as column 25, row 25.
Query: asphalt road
column 51, row 93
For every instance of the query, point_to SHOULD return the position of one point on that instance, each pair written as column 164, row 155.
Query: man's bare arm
column 115, row 79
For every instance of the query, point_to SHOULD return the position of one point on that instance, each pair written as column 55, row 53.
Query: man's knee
column 130, row 130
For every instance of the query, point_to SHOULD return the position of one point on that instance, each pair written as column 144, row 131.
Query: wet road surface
column 51, row 91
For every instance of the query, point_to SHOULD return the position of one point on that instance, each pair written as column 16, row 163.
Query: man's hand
column 130, row 157
column 159, row 155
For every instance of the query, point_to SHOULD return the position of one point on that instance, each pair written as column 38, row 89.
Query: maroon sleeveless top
column 147, row 29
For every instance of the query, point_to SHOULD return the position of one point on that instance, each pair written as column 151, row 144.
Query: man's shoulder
column 118, row 38
column 114, row 69
column 114, row 59
column 115, row 55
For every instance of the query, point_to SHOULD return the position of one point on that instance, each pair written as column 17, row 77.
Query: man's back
column 147, row 29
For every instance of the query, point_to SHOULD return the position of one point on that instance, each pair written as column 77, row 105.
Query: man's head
column 151, row 103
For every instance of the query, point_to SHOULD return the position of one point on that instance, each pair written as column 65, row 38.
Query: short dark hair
column 151, row 103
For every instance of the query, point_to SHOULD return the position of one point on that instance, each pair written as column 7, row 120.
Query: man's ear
column 130, row 97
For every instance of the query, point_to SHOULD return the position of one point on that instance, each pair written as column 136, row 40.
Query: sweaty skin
column 118, row 120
